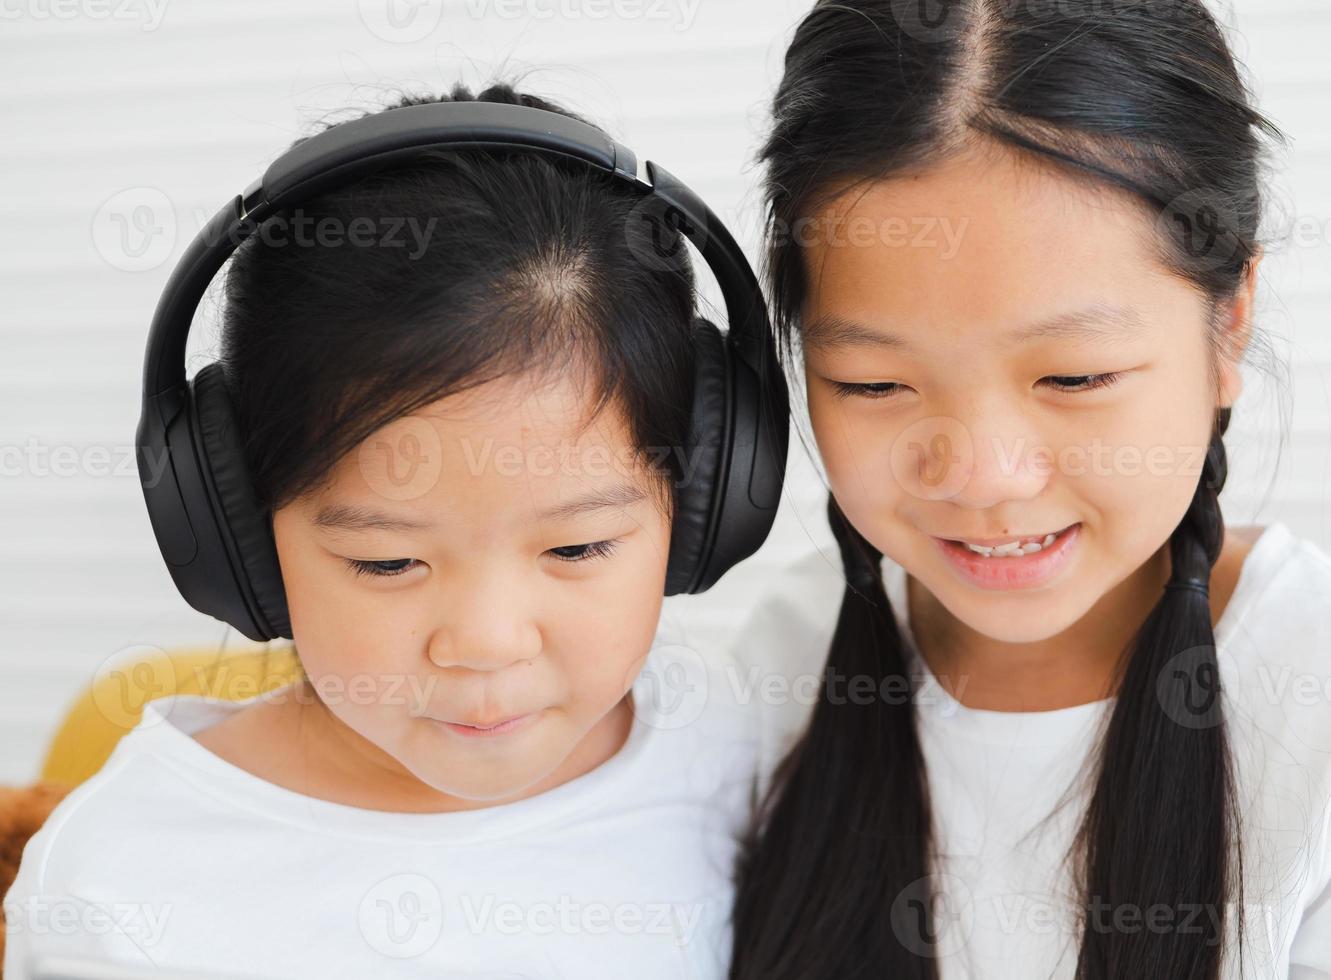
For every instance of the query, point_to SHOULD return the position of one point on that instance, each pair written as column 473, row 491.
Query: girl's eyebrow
column 352, row 517
column 605, row 498
column 1101, row 322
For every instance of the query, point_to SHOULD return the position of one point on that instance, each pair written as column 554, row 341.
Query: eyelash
column 847, row 389
column 375, row 569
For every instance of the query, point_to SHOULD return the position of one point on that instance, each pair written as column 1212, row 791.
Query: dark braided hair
column 834, row 879
column 1160, row 736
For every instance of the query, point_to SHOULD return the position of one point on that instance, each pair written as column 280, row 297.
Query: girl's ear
column 1238, row 331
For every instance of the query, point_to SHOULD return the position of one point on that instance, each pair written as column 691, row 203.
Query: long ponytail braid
column 880, row 841
column 1167, row 732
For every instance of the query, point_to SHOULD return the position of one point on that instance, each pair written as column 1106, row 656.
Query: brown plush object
column 23, row 809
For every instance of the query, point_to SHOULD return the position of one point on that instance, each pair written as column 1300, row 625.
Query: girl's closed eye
column 585, row 552
column 380, row 569
column 1070, row 383
column 566, row 553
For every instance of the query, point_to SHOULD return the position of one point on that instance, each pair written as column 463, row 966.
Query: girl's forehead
column 417, row 466
column 497, row 434
column 979, row 248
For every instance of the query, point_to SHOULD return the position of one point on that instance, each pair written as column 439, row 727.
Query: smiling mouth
column 1017, row 540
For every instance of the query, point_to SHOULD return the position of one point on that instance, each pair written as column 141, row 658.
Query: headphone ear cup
column 246, row 529
column 704, row 460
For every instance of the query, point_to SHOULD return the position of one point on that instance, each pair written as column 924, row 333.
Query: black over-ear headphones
column 217, row 541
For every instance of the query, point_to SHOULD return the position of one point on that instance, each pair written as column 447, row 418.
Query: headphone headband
column 344, row 153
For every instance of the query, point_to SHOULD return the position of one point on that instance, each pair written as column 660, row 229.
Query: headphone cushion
column 248, row 526
column 690, row 543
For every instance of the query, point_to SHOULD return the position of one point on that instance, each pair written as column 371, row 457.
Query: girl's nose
column 1006, row 463
column 483, row 624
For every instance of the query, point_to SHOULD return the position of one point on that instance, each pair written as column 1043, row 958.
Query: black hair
column 1140, row 96
column 524, row 269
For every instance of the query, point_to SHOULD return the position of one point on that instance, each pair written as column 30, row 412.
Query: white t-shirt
column 170, row 857
column 995, row 775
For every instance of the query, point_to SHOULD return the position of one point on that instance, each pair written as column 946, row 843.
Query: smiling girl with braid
column 1064, row 727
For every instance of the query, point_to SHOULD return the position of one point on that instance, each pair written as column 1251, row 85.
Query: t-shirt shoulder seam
column 98, row 784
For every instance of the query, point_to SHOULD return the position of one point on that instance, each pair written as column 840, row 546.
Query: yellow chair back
column 112, row 704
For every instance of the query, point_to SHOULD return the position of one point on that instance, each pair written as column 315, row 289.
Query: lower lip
column 505, row 728
column 1015, row 571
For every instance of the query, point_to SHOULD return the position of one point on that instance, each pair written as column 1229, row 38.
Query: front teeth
column 1013, row 548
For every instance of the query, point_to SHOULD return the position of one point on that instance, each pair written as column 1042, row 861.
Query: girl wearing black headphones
column 454, row 403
